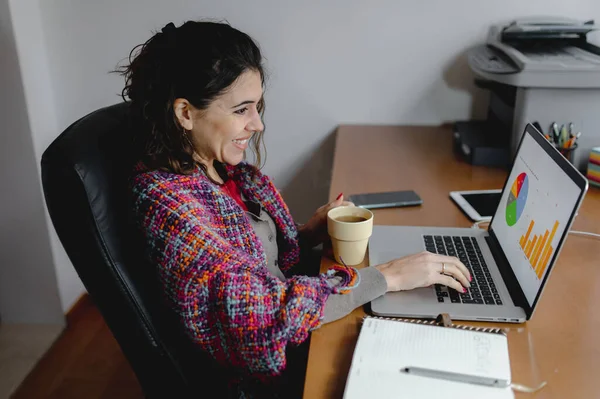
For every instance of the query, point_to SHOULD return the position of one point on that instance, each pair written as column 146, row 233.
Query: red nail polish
column 339, row 196
column 470, row 278
column 464, row 290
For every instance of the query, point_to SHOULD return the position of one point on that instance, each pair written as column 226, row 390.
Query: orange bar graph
column 542, row 267
column 531, row 246
column 538, row 253
column 545, row 261
column 538, row 249
column 526, row 236
column 528, row 246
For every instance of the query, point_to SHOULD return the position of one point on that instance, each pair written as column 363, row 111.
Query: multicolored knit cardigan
column 214, row 271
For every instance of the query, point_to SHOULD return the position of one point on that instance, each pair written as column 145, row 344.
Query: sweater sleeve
column 229, row 304
column 371, row 285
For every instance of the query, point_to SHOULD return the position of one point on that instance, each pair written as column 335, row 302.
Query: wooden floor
column 85, row 362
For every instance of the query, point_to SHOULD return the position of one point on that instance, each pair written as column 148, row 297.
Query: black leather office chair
column 85, row 175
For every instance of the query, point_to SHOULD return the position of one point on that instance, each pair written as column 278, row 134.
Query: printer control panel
column 487, row 59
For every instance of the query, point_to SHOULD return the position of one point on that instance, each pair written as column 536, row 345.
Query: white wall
column 42, row 108
column 28, row 287
column 333, row 62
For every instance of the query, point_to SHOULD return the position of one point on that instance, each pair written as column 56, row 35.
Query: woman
column 222, row 238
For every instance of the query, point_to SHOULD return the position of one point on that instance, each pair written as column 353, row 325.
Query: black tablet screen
column 485, row 204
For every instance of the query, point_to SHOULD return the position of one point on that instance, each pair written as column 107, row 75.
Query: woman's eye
column 241, row 111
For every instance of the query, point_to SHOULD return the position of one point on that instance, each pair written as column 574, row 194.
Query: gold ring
column 443, row 268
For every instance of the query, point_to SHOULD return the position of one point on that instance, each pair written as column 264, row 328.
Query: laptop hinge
column 512, row 284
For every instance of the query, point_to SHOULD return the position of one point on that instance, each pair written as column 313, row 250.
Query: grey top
column 372, row 283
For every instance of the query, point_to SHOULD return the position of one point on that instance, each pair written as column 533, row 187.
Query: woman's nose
column 256, row 124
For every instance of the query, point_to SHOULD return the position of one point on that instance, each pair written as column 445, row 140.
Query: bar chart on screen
column 538, row 248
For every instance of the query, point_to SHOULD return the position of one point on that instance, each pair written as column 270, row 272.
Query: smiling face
column 222, row 131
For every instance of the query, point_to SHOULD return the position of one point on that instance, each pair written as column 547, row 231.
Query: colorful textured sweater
column 213, row 267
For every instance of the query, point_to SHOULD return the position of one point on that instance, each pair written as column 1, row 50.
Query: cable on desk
column 584, row 233
column 477, row 225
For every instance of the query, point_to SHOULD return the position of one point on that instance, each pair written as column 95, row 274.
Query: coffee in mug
column 350, row 219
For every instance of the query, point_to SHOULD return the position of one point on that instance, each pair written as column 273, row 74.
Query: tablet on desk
column 479, row 205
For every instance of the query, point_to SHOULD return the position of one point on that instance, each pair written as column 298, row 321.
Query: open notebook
column 386, row 346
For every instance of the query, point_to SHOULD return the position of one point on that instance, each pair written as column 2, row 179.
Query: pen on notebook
column 458, row 377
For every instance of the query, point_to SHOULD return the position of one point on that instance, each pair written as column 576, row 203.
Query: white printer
column 538, row 69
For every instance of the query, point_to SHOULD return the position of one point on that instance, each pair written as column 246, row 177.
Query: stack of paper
column 593, row 170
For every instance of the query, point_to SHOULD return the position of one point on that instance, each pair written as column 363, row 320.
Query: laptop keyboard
column 483, row 289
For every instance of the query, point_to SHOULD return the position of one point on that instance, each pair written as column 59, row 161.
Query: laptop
column 511, row 261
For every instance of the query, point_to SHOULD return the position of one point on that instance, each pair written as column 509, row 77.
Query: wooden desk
column 561, row 343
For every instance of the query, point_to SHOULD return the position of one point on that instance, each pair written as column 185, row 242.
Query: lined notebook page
column 384, row 347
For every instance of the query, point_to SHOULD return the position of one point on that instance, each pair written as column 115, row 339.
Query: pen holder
column 567, row 152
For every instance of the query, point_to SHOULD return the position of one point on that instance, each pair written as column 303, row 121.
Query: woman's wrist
column 383, row 269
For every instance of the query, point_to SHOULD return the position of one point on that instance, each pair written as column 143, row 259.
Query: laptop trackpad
column 421, row 296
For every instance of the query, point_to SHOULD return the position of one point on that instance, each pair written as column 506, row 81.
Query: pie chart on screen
column 517, row 198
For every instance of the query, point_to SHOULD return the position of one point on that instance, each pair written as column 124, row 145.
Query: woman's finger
column 449, row 282
column 337, row 203
column 455, row 261
column 453, row 270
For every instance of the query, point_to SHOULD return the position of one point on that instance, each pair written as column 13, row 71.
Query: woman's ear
column 183, row 113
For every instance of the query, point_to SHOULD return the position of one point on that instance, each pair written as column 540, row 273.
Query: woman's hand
column 315, row 230
column 424, row 269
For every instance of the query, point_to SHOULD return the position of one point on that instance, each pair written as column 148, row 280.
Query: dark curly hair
column 164, row 69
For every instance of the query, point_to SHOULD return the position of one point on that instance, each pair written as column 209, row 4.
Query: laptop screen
column 535, row 209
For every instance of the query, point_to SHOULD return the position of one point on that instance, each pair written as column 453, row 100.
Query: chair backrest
column 85, row 176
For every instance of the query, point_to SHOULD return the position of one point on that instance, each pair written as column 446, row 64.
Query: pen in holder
column 564, row 139
column 567, row 151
